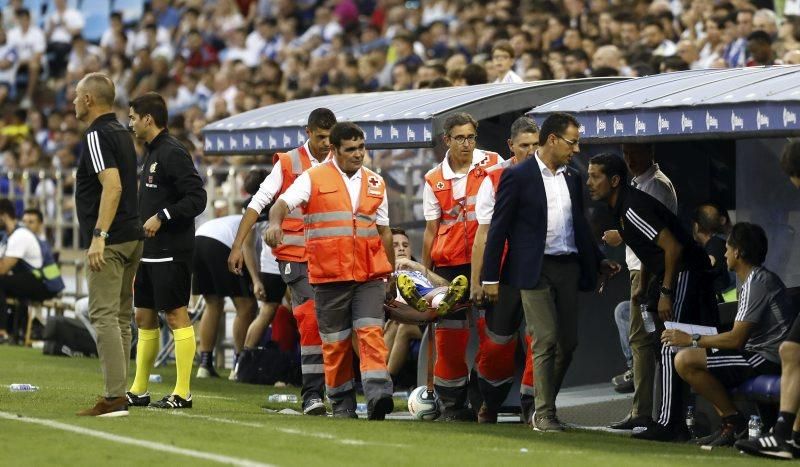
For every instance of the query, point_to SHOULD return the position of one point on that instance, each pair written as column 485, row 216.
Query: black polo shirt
column 641, row 217
column 107, row 144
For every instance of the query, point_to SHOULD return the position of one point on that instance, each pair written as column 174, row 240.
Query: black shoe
column 657, row 432
column 378, row 409
column 138, row 401
column 463, row 414
column 767, row 446
column 623, row 383
column 630, row 422
column 173, row 401
column 314, row 406
column 726, row 435
column 345, row 414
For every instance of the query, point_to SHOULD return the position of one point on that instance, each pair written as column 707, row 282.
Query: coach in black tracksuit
column 171, row 195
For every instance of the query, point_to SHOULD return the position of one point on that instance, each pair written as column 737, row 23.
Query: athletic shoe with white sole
column 408, row 290
column 173, row 401
column 138, row 401
column 455, row 292
column 206, row 372
column 314, row 406
column 767, row 446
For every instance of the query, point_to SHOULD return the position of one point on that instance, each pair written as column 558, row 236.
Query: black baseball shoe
column 378, row 409
column 138, row 401
column 173, row 401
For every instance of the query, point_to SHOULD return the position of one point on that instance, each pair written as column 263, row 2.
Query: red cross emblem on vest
column 373, row 186
column 440, row 185
column 374, row 182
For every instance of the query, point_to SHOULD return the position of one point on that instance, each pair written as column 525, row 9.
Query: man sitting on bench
column 714, row 364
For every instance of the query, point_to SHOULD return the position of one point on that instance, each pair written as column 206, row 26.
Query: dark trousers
column 23, row 287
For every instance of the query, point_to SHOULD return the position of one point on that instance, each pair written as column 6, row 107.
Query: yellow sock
column 185, row 347
column 146, row 351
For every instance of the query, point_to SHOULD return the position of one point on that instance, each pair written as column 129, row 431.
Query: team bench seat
column 764, row 389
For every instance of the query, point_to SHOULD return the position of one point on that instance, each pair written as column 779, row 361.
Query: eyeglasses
column 570, row 142
column 464, row 139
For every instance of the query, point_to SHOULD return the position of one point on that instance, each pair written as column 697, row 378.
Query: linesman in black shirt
column 675, row 277
column 108, row 216
column 171, row 195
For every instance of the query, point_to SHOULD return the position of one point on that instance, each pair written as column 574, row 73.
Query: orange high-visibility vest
column 342, row 245
column 293, row 248
column 458, row 224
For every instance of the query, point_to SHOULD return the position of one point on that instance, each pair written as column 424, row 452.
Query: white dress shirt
column 300, row 192
column 656, row 184
column 272, row 184
column 430, row 203
column 509, row 77
column 560, row 234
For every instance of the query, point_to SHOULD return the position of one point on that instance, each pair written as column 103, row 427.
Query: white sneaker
column 233, row 375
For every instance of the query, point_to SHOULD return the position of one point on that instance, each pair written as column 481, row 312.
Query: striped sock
column 185, row 347
column 146, row 352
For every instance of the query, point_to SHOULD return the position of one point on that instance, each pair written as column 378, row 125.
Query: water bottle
column 400, row 394
column 754, row 428
column 690, row 422
column 155, row 378
column 290, row 398
column 17, row 387
column 647, row 317
column 361, row 408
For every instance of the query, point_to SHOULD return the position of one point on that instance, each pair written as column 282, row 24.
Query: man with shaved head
column 108, row 216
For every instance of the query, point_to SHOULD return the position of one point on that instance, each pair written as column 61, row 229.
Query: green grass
column 227, row 419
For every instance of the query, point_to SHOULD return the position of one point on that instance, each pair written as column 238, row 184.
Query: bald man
column 108, row 218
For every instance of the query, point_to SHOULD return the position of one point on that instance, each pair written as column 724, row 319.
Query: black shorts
column 210, row 269
column 734, row 367
column 274, row 287
column 162, row 286
column 794, row 332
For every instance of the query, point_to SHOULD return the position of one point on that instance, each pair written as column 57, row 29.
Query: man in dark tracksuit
column 171, row 195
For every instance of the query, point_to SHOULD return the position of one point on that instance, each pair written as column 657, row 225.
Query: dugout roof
column 393, row 119
column 757, row 102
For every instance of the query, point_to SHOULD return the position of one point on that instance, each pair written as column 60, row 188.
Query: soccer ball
column 424, row 405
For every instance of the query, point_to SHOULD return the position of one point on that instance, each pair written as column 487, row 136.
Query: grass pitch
column 229, row 425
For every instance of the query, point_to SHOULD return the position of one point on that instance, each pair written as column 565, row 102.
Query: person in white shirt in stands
column 29, row 42
column 61, row 25
column 503, row 60
column 8, row 67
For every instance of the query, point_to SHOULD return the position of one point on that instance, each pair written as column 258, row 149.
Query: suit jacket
column 520, row 217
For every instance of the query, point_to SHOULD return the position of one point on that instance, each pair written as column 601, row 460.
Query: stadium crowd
column 210, row 60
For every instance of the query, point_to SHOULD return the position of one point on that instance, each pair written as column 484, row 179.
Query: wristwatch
column 665, row 291
column 161, row 216
column 99, row 233
column 695, row 338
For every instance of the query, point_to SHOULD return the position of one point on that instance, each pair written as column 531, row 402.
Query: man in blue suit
column 551, row 255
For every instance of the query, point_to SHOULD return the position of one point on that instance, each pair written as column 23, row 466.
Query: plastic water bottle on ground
column 754, row 428
column 283, row 398
column 690, row 422
column 361, row 409
column 17, row 387
column 400, row 394
column 647, row 317
column 155, row 378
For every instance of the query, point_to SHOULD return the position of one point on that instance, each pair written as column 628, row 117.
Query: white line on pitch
column 135, row 442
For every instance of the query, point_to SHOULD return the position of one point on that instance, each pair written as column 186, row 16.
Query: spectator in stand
column 403, row 44
column 655, row 39
column 402, row 77
column 576, row 64
column 198, row 54
column 8, row 68
column 167, row 16
column 765, row 20
column 735, row 53
column 503, row 61
column 61, row 25
column 474, row 74
column 759, row 49
column 29, row 42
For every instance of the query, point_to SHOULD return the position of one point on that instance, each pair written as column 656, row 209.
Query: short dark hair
column 790, row 158
column 7, row 208
column 577, row 54
column 458, row 119
column 751, row 242
column 36, row 212
column 474, row 74
column 116, row 15
column 253, row 180
column 503, row 46
column 523, row 125
column 152, row 104
column 440, row 83
column 345, row 131
column 708, row 217
column 321, row 119
column 556, row 124
column 23, row 12
column 611, row 165
column 399, row 231
column 760, row 36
